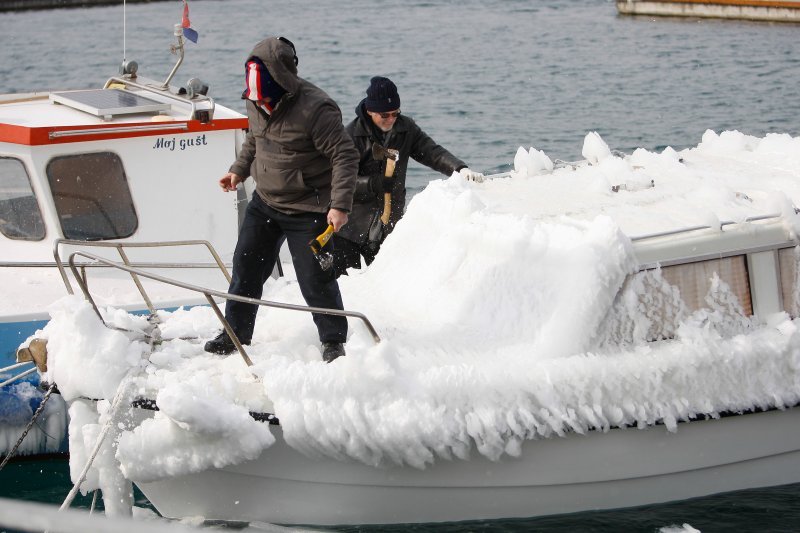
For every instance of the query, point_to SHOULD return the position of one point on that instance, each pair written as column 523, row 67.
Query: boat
column 129, row 168
column 761, row 10
column 600, row 334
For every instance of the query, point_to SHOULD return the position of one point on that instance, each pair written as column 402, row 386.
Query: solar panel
column 108, row 102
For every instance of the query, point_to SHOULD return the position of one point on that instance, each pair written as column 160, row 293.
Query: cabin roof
column 36, row 119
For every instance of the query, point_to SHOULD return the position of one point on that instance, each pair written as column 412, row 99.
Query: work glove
column 471, row 175
column 368, row 188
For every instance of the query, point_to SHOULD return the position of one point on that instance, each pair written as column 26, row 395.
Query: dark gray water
column 483, row 78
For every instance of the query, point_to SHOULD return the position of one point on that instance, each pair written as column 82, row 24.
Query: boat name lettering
column 182, row 144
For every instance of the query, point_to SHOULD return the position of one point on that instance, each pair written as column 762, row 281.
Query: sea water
column 482, row 78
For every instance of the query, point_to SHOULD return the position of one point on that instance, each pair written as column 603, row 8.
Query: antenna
column 127, row 68
column 124, row 30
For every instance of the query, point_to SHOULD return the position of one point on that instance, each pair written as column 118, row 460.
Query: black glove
column 368, row 188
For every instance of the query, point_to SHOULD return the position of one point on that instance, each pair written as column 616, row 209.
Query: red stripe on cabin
column 14, row 134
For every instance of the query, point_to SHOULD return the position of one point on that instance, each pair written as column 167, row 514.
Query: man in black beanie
column 379, row 122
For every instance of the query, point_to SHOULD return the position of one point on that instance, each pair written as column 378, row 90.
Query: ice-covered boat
column 610, row 333
column 766, row 10
column 133, row 162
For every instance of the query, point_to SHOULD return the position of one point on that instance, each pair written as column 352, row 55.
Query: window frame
column 788, row 307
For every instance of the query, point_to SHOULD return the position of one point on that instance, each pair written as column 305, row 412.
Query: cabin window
column 695, row 281
column 92, row 197
column 20, row 216
column 788, row 259
column 653, row 303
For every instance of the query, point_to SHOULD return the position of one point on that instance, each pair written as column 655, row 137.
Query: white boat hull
column 620, row 468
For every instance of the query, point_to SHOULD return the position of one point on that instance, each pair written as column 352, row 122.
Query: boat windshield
column 92, row 197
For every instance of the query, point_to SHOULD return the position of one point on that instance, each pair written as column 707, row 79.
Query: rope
column 103, row 433
column 15, row 366
column 154, row 338
column 28, row 427
column 94, row 500
column 17, row 377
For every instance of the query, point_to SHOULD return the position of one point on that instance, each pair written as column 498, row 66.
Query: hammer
column 317, row 244
column 391, row 156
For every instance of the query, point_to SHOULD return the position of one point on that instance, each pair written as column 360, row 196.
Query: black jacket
column 410, row 141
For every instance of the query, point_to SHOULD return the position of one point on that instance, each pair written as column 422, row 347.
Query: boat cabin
column 131, row 161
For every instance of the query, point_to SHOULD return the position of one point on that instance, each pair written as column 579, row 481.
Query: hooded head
column 382, row 95
column 260, row 85
column 271, row 71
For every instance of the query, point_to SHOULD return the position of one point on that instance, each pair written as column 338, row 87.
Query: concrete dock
column 21, row 5
column 763, row 10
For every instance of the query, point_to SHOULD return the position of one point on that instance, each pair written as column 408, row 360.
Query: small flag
column 188, row 32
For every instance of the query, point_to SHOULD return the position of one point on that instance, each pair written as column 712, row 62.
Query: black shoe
column 220, row 345
column 332, row 350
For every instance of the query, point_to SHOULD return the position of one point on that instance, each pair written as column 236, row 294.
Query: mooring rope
column 122, row 392
column 94, row 500
column 112, row 414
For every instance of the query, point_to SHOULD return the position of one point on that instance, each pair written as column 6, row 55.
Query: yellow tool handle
column 387, row 196
column 387, row 207
column 389, row 168
column 322, row 239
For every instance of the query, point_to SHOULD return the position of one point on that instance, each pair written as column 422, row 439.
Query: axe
column 390, row 155
column 325, row 259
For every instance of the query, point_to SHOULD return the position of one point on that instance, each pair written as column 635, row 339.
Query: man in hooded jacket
column 304, row 165
column 379, row 121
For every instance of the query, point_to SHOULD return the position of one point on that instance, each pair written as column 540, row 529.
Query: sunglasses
column 391, row 114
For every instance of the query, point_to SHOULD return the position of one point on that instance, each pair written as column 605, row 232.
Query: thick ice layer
column 17, row 406
column 493, row 302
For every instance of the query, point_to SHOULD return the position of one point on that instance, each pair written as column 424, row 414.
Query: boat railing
column 120, row 247
column 722, row 224
column 209, row 294
column 167, row 94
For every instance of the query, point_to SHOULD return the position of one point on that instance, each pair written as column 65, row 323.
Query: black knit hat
column 382, row 95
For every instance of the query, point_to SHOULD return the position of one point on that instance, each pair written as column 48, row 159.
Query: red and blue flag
column 188, row 32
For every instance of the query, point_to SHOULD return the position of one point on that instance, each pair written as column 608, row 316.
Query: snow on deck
column 488, row 298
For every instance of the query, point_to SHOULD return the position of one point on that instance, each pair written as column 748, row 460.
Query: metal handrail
column 137, row 264
column 166, row 93
column 120, row 249
column 696, row 228
column 15, row 366
column 557, row 164
column 121, row 129
column 18, row 377
column 209, row 294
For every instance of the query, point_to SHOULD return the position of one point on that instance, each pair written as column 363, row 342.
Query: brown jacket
column 301, row 158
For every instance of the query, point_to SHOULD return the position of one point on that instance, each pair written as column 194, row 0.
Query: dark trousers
column 347, row 254
column 263, row 232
